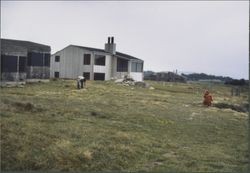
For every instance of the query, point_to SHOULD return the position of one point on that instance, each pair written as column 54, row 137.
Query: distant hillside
column 203, row 76
column 173, row 77
column 163, row 76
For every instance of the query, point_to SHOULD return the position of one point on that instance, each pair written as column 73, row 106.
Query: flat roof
column 9, row 44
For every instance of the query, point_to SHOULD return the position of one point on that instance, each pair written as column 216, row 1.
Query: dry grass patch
column 108, row 127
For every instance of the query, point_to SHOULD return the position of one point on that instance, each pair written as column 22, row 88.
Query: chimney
column 108, row 40
column 110, row 46
column 112, row 40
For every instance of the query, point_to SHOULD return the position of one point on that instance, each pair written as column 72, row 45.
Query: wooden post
column 237, row 93
column 232, row 91
column 17, row 73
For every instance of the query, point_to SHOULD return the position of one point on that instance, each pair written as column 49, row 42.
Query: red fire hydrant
column 207, row 98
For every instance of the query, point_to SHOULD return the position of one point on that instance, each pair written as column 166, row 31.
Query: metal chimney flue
column 112, row 40
column 108, row 40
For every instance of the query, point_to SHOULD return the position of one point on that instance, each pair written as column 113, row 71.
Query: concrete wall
column 13, row 76
column 138, row 76
column 34, row 72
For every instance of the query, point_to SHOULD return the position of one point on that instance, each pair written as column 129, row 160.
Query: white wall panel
column 137, row 76
column 100, row 69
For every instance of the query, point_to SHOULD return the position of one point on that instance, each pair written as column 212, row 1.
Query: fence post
column 232, row 91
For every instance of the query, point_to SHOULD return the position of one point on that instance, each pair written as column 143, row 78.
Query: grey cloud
column 210, row 37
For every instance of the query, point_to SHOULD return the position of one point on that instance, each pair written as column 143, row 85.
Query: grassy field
column 109, row 127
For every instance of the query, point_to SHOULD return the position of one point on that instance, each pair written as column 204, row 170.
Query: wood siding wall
column 71, row 64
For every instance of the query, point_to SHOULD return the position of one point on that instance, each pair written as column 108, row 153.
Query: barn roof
column 8, row 45
column 119, row 54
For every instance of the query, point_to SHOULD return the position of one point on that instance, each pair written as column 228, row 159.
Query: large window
column 35, row 59
column 8, row 63
column 86, row 59
column 122, row 65
column 38, row 59
column 136, row 67
column 100, row 60
column 57, row 59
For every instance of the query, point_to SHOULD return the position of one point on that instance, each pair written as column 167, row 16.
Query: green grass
column 109, row 127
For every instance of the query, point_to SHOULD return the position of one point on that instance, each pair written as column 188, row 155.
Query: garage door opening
column 99, row 76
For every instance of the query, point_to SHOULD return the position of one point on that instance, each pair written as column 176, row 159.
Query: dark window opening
column 100, row 60
column 22, row 63
column 122, row 65
column 47, row 59
column 86, row 59
column 99, row 76
column 56, row 74
column 136, row 67
column 57, row 59
column 29, row 60
column 35, row 59
column 8, row 63
column 86, row 75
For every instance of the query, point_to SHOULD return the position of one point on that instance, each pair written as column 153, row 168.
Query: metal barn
column 24, row 60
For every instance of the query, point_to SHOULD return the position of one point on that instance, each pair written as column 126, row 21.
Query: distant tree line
column 240, row 82
column 169, row 76
column 163, row 76
column 203, row 76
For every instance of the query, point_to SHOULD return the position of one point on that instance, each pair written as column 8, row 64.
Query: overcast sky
column 204, row 36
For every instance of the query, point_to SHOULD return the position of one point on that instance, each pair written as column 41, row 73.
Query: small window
column 86, row 75
column 139, row 67
column 57, row 59
column 100, row 60
column 56, row 74
column 133, row 66
column 136, row 67
column 99, row 76
column 86, row 59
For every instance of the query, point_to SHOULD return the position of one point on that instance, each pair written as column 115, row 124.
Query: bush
column 233, row 107
column 240, row 82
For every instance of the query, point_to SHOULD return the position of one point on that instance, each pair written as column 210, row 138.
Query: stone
column 119, row 81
